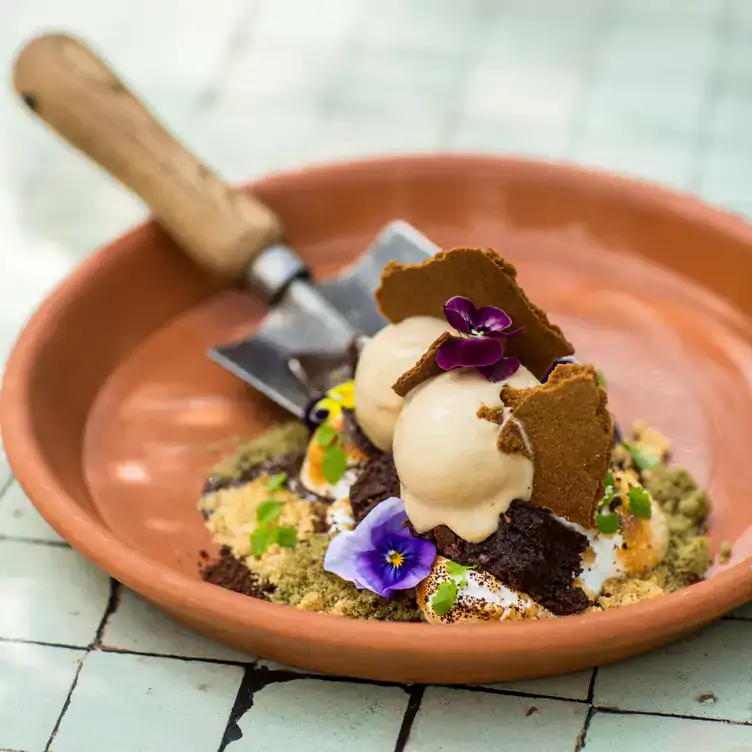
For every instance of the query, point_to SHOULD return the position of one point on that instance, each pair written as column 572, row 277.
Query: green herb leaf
column 641, row 460
column 607, row 523
column 639, row 502
column 334, row 463
column 259, row 542
column 444, row 597
column 601, row 379
column 268, row 511
column 458, row 573
column 276, row 482
column 610, row 482
column 326, row 435
column 287, row 537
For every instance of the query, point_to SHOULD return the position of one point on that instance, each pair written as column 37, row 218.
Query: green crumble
column 300, row 580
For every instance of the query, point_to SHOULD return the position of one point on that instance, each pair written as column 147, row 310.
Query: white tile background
column 657, row 88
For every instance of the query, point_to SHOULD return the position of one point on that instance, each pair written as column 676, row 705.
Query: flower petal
column 461, row 313
column 468, row 353
column 421, row 555
column 501, row 370
column 360, row 556
column 386, row 520
column 342, row 558
column 492, row 320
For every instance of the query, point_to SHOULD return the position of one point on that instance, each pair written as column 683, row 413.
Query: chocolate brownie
column 377, row 481
column 531, row 551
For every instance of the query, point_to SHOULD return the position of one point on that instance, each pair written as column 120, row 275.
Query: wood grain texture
column 222, row 228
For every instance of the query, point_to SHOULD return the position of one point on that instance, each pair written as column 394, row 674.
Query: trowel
column 224, row 229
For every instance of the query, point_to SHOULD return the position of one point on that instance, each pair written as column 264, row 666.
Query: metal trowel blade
column 298, row 329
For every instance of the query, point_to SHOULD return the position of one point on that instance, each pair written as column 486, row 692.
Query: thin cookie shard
column 424, row 369
column 486, row 279
column 565, row 426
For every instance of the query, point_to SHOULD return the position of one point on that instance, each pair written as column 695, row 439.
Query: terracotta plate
column 112, row 415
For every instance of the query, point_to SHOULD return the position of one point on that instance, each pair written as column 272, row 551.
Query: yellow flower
column 342, row 395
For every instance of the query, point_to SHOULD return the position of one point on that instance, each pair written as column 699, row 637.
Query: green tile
column 325, row 716
column 455, row 719
column 569, row 686
column 745, row 612
column 707, row 676
column 610, row 732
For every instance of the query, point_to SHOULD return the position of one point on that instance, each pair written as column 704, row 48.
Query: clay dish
column 112, row 415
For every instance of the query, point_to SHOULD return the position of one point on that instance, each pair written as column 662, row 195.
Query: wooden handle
column 74, row 92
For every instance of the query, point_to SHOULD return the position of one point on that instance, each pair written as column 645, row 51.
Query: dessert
column 462, row 467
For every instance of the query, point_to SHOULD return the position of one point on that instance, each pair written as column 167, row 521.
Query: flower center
column 395, row 559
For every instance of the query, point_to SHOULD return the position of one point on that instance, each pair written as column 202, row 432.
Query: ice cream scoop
column 450, row 468
column 391, row 352
column 481, row 597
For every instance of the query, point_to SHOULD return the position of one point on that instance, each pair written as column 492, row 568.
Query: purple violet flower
column 381, row 555
column 480, row 347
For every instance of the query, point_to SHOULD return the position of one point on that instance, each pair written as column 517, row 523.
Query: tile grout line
column 43, row 644
column 183, row 658
column 253, row 681
column 112, row 604
column 34, row 541
column 682, row 716
column 67, row 702
column 281, row 675
column 513, row 693
column 582, row 738
column 415, row 693
column 5, row 487
column 256, row 678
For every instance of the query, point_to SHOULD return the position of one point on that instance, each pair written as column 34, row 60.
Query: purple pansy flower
column 381, row 554
column 481, row 346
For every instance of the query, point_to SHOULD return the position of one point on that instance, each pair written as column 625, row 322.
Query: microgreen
column 259, row 542
column 276, row 482
column 287, row 537
column 268, row 511
column 607, row 523
column 444, row 597
column 458, row 573
column 641, row 460
column 267, row 532
column 334, row 463
column 639, row 502
column 326, row 435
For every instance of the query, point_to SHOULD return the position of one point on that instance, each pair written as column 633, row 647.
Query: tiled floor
column 657, row 88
